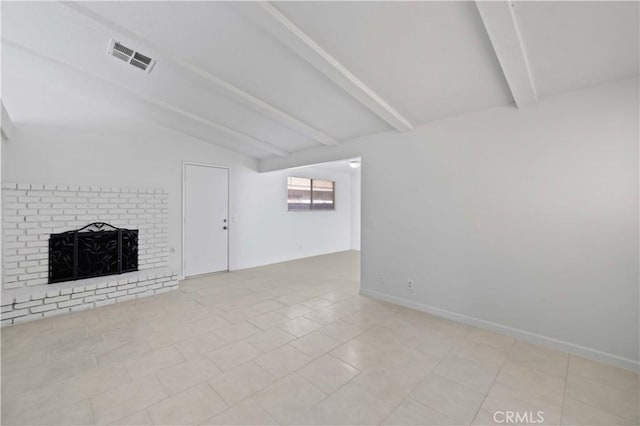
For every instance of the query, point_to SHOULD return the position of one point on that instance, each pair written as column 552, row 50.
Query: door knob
column 224, row 227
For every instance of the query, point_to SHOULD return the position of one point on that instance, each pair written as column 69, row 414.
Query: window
column 310, row 194
column 322, row 194
column 299, row 193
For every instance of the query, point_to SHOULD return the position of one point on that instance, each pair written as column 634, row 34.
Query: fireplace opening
column 95, row 250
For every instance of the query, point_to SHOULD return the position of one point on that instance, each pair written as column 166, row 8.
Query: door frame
column 184, row 214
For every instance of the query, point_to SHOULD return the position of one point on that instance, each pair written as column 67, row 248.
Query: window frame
column 310, row 209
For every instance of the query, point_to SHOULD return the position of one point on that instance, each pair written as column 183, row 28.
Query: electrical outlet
column 410, row 285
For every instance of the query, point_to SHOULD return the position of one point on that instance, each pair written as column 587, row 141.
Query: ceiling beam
column 132, row 93
column 221, row 85
column 500, row 22
column 271, row 19
column 6, row 124
column 265, row 146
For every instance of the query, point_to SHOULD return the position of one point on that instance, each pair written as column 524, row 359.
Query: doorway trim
column 184, row 214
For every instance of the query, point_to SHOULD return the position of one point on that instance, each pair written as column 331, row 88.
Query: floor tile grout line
column 564, row 393
column 432, row 371
column 218, row 395
column 250, row 395
column 169, row 396
column 495, row 379
column 93, row 415
column 308, row 382
column 361, row 310
column 594, row 406
column 413, row 388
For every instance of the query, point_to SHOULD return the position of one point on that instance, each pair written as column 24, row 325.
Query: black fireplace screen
column 97, row 249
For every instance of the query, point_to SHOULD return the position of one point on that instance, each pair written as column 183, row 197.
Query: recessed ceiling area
column 571, row 45
column 272, row 79
column 428, row 59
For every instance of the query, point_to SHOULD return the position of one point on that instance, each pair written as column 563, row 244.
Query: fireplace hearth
column 95, row 250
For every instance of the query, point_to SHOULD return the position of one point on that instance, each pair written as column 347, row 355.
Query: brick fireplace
column 32, row 212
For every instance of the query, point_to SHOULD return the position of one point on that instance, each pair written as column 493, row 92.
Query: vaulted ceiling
column 269, row 79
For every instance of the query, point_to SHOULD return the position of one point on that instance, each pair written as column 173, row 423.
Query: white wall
column 355, row 208
column 521, row 220
column 525, row 221
column 133, row 153
column 268, row 233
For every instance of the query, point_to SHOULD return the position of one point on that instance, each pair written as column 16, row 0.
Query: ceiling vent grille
column 130, row 56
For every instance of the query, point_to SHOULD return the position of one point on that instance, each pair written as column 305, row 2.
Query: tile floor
column 291, row 343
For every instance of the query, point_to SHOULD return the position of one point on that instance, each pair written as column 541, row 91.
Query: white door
column 206, row 222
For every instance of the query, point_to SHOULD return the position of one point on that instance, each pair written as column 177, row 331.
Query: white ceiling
column 427, row 59
column 571, row 45
column 338, row 166
column 274, row 79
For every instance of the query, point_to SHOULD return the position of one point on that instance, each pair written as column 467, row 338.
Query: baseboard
column 538, row 339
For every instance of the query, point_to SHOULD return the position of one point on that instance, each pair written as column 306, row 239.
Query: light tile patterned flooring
column 291, row 343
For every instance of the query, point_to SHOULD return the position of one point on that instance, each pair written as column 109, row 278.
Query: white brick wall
column 29, row 304
column 32, row 212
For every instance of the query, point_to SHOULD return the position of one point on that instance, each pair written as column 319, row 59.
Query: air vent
column 130, row 56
